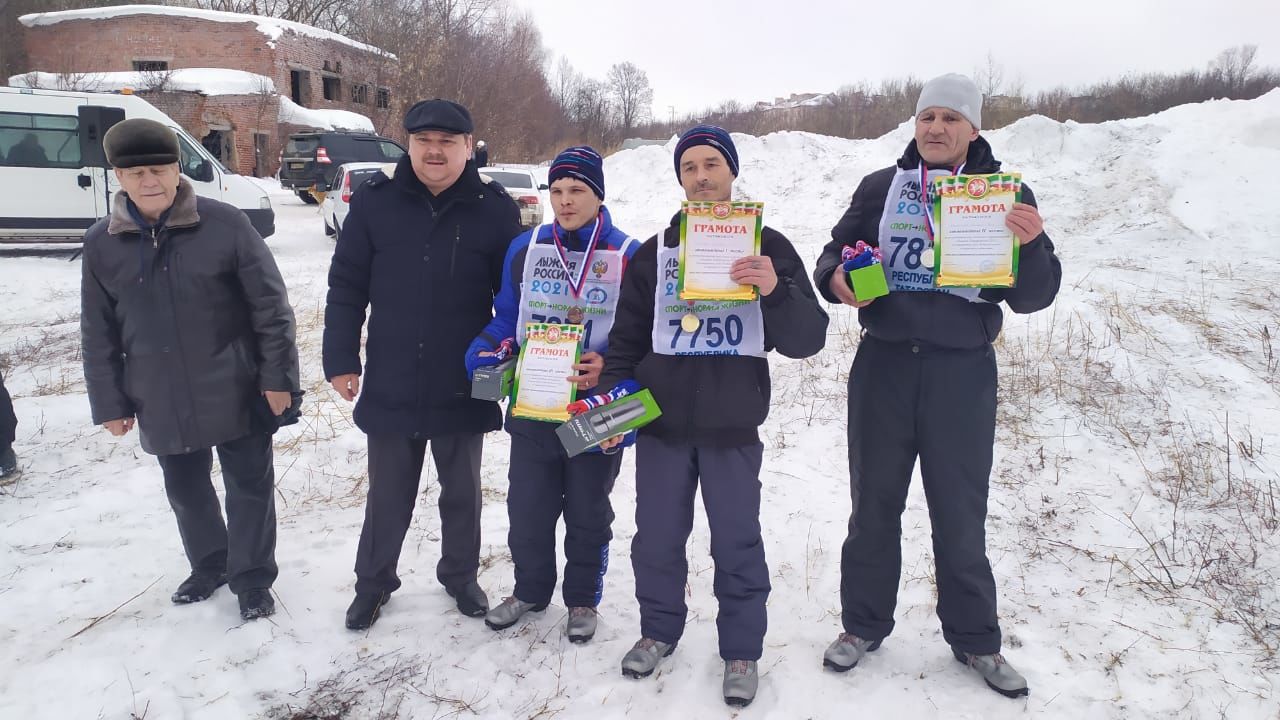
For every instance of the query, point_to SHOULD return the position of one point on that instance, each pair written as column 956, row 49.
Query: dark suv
column 311, row 159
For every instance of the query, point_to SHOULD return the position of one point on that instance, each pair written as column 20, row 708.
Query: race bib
column 904, row 240
column 547, row 296
column 721, row 327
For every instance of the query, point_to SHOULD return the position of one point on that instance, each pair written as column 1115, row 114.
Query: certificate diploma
column 713, row 235
column 542, row 391
column 972, row 245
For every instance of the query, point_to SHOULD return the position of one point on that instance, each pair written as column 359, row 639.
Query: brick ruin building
column 290, row 76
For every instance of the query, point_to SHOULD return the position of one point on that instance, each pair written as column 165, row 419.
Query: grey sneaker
column 740, row 682
column 581, row 625
column 847, row 651
column 643, row 657
column 509, row 611
column 997, row 671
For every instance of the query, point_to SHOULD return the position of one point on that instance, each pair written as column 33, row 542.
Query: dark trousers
column 395, row 469
column 8, row 420
column 544, row 484
column 245, row 546
column 909, row 399
column 667, row 476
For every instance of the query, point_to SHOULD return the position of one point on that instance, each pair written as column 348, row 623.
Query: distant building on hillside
column 240, row 83
column 795, row 101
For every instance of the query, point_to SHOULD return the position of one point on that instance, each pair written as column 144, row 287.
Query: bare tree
column 1235, row 65
column 631, row 93
column 564, row 84
column 155, row 80
column 328, row 14
column 990, row 77
column 591, row 111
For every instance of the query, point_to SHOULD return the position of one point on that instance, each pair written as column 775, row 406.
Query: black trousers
column 667, row 476
column 245, row 546
column 544, row 484
column 8, row 420
column 395, row 469
column 908, row 400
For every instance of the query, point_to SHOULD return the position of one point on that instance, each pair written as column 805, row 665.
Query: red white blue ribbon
column 621, row 390
column 575, row 284
column 926, row 193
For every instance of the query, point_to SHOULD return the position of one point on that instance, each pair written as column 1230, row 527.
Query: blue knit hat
column 713, row 136
column 580, row 162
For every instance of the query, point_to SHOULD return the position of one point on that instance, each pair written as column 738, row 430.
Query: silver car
column 337, row 202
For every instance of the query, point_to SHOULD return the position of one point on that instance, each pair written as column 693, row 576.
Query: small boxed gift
column 494, row 381
column 866, row 274
column 592, row 427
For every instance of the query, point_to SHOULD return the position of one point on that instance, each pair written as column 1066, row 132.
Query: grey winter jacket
column 184, row 326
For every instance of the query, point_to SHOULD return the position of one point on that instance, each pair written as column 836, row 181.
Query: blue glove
column 475, row 360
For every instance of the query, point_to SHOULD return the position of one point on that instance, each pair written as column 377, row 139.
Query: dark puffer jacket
column 183, row 327
column 938, row 318
column 427, row 269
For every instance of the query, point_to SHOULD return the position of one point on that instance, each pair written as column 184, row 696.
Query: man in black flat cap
column 186, row 329
column 421, row 251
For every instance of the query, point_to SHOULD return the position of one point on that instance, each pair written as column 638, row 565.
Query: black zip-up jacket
column 183, row 326
column 718, row 400
column 933, row 317
column 427, row 269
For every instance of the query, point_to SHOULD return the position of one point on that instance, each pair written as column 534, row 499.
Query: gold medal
column 926, row 258
column 690, row 322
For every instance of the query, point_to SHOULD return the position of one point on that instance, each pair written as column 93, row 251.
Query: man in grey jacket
column 186, row 329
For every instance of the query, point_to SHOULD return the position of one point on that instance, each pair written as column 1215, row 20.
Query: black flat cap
column 443, row 115
column 138, row 142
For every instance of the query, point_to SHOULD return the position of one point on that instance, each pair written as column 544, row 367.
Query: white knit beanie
column 953, row 91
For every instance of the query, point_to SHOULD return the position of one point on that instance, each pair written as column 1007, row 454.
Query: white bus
column 48, row 194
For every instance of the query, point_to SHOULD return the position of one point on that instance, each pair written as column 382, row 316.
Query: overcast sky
column 700, row 52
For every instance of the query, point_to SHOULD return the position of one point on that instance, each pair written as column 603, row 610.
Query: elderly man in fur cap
column 186, row 330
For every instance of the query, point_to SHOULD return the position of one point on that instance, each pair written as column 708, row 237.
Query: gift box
column 868, row 282
column 866, row 274
column 493, row 382
column 588, row 429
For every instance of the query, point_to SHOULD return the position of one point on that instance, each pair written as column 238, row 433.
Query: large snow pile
column 271, row 27
column 294, row 114
column 1133, row 525
column 208, row 81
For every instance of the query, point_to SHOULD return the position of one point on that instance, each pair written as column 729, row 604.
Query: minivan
column 52, row 195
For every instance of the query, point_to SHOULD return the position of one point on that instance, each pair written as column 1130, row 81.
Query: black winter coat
column 718, row 400
column 185, row 327
column 428, row 277
column 933, row 317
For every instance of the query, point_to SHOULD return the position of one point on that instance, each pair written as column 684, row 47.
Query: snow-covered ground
column 1133, row 518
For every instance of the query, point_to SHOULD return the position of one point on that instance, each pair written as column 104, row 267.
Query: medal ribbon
column 926, row 191
column 575, row 285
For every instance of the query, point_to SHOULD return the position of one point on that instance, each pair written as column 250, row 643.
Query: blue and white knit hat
column 713, row 136
column 580, row 162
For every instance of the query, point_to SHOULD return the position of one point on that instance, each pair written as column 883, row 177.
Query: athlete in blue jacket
column 566, row 272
